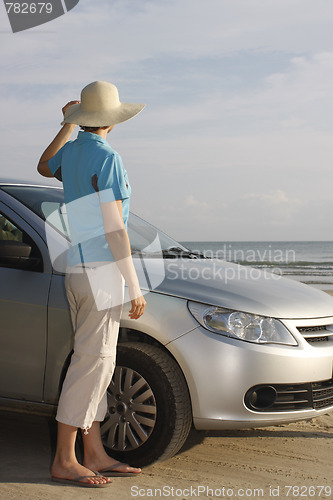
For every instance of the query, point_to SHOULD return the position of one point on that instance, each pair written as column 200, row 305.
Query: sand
column 258, row 463
column 286, row 461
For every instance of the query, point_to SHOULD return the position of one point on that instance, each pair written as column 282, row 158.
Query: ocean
column 310, row 262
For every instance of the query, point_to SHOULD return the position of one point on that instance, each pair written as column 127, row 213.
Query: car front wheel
column 149, row 410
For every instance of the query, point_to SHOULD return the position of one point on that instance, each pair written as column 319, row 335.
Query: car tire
column 149, row 410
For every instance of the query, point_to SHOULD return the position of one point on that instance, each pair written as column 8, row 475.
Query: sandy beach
column 286, row 461
column 258, row 463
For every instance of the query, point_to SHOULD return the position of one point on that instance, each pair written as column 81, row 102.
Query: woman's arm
column 118, row 241
column 58, row 142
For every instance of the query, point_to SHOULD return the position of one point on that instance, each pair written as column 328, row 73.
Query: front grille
column 290, row 397
column 322, row 394
column 322, row 333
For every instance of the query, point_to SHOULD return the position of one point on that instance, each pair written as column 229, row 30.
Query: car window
column 55, row 214
column 10, row 238
column 48, row 204
column 8, row 231
column 34, row 197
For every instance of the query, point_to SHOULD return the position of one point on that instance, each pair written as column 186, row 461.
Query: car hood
column 231, row 286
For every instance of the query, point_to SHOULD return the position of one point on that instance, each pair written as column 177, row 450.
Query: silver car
column 218, row 347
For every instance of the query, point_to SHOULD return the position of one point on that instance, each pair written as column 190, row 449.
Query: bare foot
column 74, row 470
column 105, row 462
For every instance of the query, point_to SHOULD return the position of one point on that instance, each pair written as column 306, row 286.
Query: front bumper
column 220, row 371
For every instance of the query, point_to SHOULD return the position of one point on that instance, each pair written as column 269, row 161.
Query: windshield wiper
column 171, row 253
column 136, row 251
column 181, row 252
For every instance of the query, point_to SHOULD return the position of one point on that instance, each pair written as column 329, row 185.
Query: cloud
column 275, row 206
column 191, row 201
column 113, row 36
column 238, row 101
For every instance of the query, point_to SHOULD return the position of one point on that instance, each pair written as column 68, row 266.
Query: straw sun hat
column 100, row 107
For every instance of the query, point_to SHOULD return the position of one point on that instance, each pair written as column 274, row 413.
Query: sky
column 235, row 143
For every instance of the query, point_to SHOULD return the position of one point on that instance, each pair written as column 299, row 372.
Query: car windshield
column 48, row 203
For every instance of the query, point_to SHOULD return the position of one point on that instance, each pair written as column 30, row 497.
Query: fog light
column 260, row 397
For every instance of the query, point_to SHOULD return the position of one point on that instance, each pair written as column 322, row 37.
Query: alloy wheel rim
column 132, row 411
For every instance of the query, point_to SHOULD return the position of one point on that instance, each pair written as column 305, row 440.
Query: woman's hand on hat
column 70, row 103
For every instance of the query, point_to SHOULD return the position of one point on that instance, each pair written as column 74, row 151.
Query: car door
column 23, row 313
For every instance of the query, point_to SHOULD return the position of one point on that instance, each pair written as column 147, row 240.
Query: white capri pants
column 96, row 296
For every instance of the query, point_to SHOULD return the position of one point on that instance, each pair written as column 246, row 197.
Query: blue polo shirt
column 92, row 173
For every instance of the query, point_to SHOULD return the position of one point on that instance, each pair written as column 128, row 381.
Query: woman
column 97, row 194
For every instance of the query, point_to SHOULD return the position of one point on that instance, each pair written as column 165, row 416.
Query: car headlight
column 241, row 325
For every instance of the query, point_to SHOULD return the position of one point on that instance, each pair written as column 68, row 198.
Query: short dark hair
column 90, row 129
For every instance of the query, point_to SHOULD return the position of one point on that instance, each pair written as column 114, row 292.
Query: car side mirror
column 17, row 254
